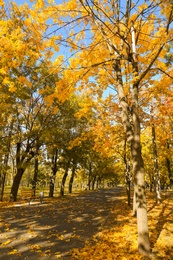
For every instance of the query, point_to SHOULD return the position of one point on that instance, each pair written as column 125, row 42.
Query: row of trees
column 124, row 46
column 36, row 135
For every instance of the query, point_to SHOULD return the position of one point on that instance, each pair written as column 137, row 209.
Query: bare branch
column 164, row 72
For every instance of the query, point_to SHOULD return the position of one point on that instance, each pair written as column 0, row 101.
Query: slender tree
column 156, row 163
column 54, row 169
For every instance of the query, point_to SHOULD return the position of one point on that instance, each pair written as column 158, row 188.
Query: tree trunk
column 127, row 173
column 52, row 185
column 98, row 182
column 156, row 164
column 2, row 183
column 21, row 162
column 89, row 184
column 151, row 182
column 139, row 180
column 18, row 176
column 72, row 177
column 170, row 174
column 64, row 179
column 53, row 175
column 131, row 123
column 93, row 181
column 4, row 164
column 16, row 183
column 128, row 188
column 34, row 183
column 140, row 200
column 3, row 170
column 89, row 176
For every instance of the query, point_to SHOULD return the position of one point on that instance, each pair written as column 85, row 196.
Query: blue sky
column 19, row 2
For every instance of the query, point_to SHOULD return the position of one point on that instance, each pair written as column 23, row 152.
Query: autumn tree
column 4, row 155
column 124, row 42
column 26, row 84
column 64, row 128
column 114, row 44
column 163, row 119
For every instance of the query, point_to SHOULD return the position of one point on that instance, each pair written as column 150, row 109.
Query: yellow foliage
column 12, row 87
column 6, row 242
column 1, row 3
column 72, row 5
column 13, row 252
column 40, row 4
column 3, row 71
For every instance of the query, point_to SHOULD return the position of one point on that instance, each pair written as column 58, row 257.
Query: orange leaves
column 111, row 244
column 13, row 252
column 160, row 223
column 8, row 241
column 39, row 4
column 142, row 7
column 72, row 5
column 1, row 3
column 115, row 237
column 22, row 45
column 121, row 241
column 63, row 90
column 12, row 87
column 24, row 81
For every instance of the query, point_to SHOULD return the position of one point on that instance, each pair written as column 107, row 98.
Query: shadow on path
column 52, row 229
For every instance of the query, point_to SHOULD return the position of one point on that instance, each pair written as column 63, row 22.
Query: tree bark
column 89, row 176
column 21, row 164
column 99, row 179
column 93, row 181
column 168, row 163
column 4, row 163
column 53, row 175
column 140, row 198
column 16, row 183
column 156, row 166
column 72, row 177
column 34, row 184
column 64, row 179
column 131, row 123
column 2, row 182
column 3, row 170
column 127, row 173
column 139, row 180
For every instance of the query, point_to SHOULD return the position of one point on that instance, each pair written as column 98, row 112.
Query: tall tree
column 124, row 43
column 156, row 163
column 118, row 43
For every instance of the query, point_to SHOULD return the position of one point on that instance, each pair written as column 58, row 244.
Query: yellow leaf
column 6, row 242
column 12, row 88
column 1, row 3
column 13, row 252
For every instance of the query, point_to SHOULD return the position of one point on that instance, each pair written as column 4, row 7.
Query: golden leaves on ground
column 117, row 241
column 161, row 227
column 121, row 241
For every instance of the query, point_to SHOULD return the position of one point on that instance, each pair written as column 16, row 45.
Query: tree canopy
column 87, row 85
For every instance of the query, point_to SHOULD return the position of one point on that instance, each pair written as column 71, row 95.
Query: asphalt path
column 52, row 229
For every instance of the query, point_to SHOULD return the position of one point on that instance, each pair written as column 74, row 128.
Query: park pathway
column 50, row 230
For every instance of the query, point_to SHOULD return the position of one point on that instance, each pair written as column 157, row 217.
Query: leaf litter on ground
column 117, row 241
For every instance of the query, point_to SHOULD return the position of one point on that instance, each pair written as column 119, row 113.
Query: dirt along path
column 50, row 230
